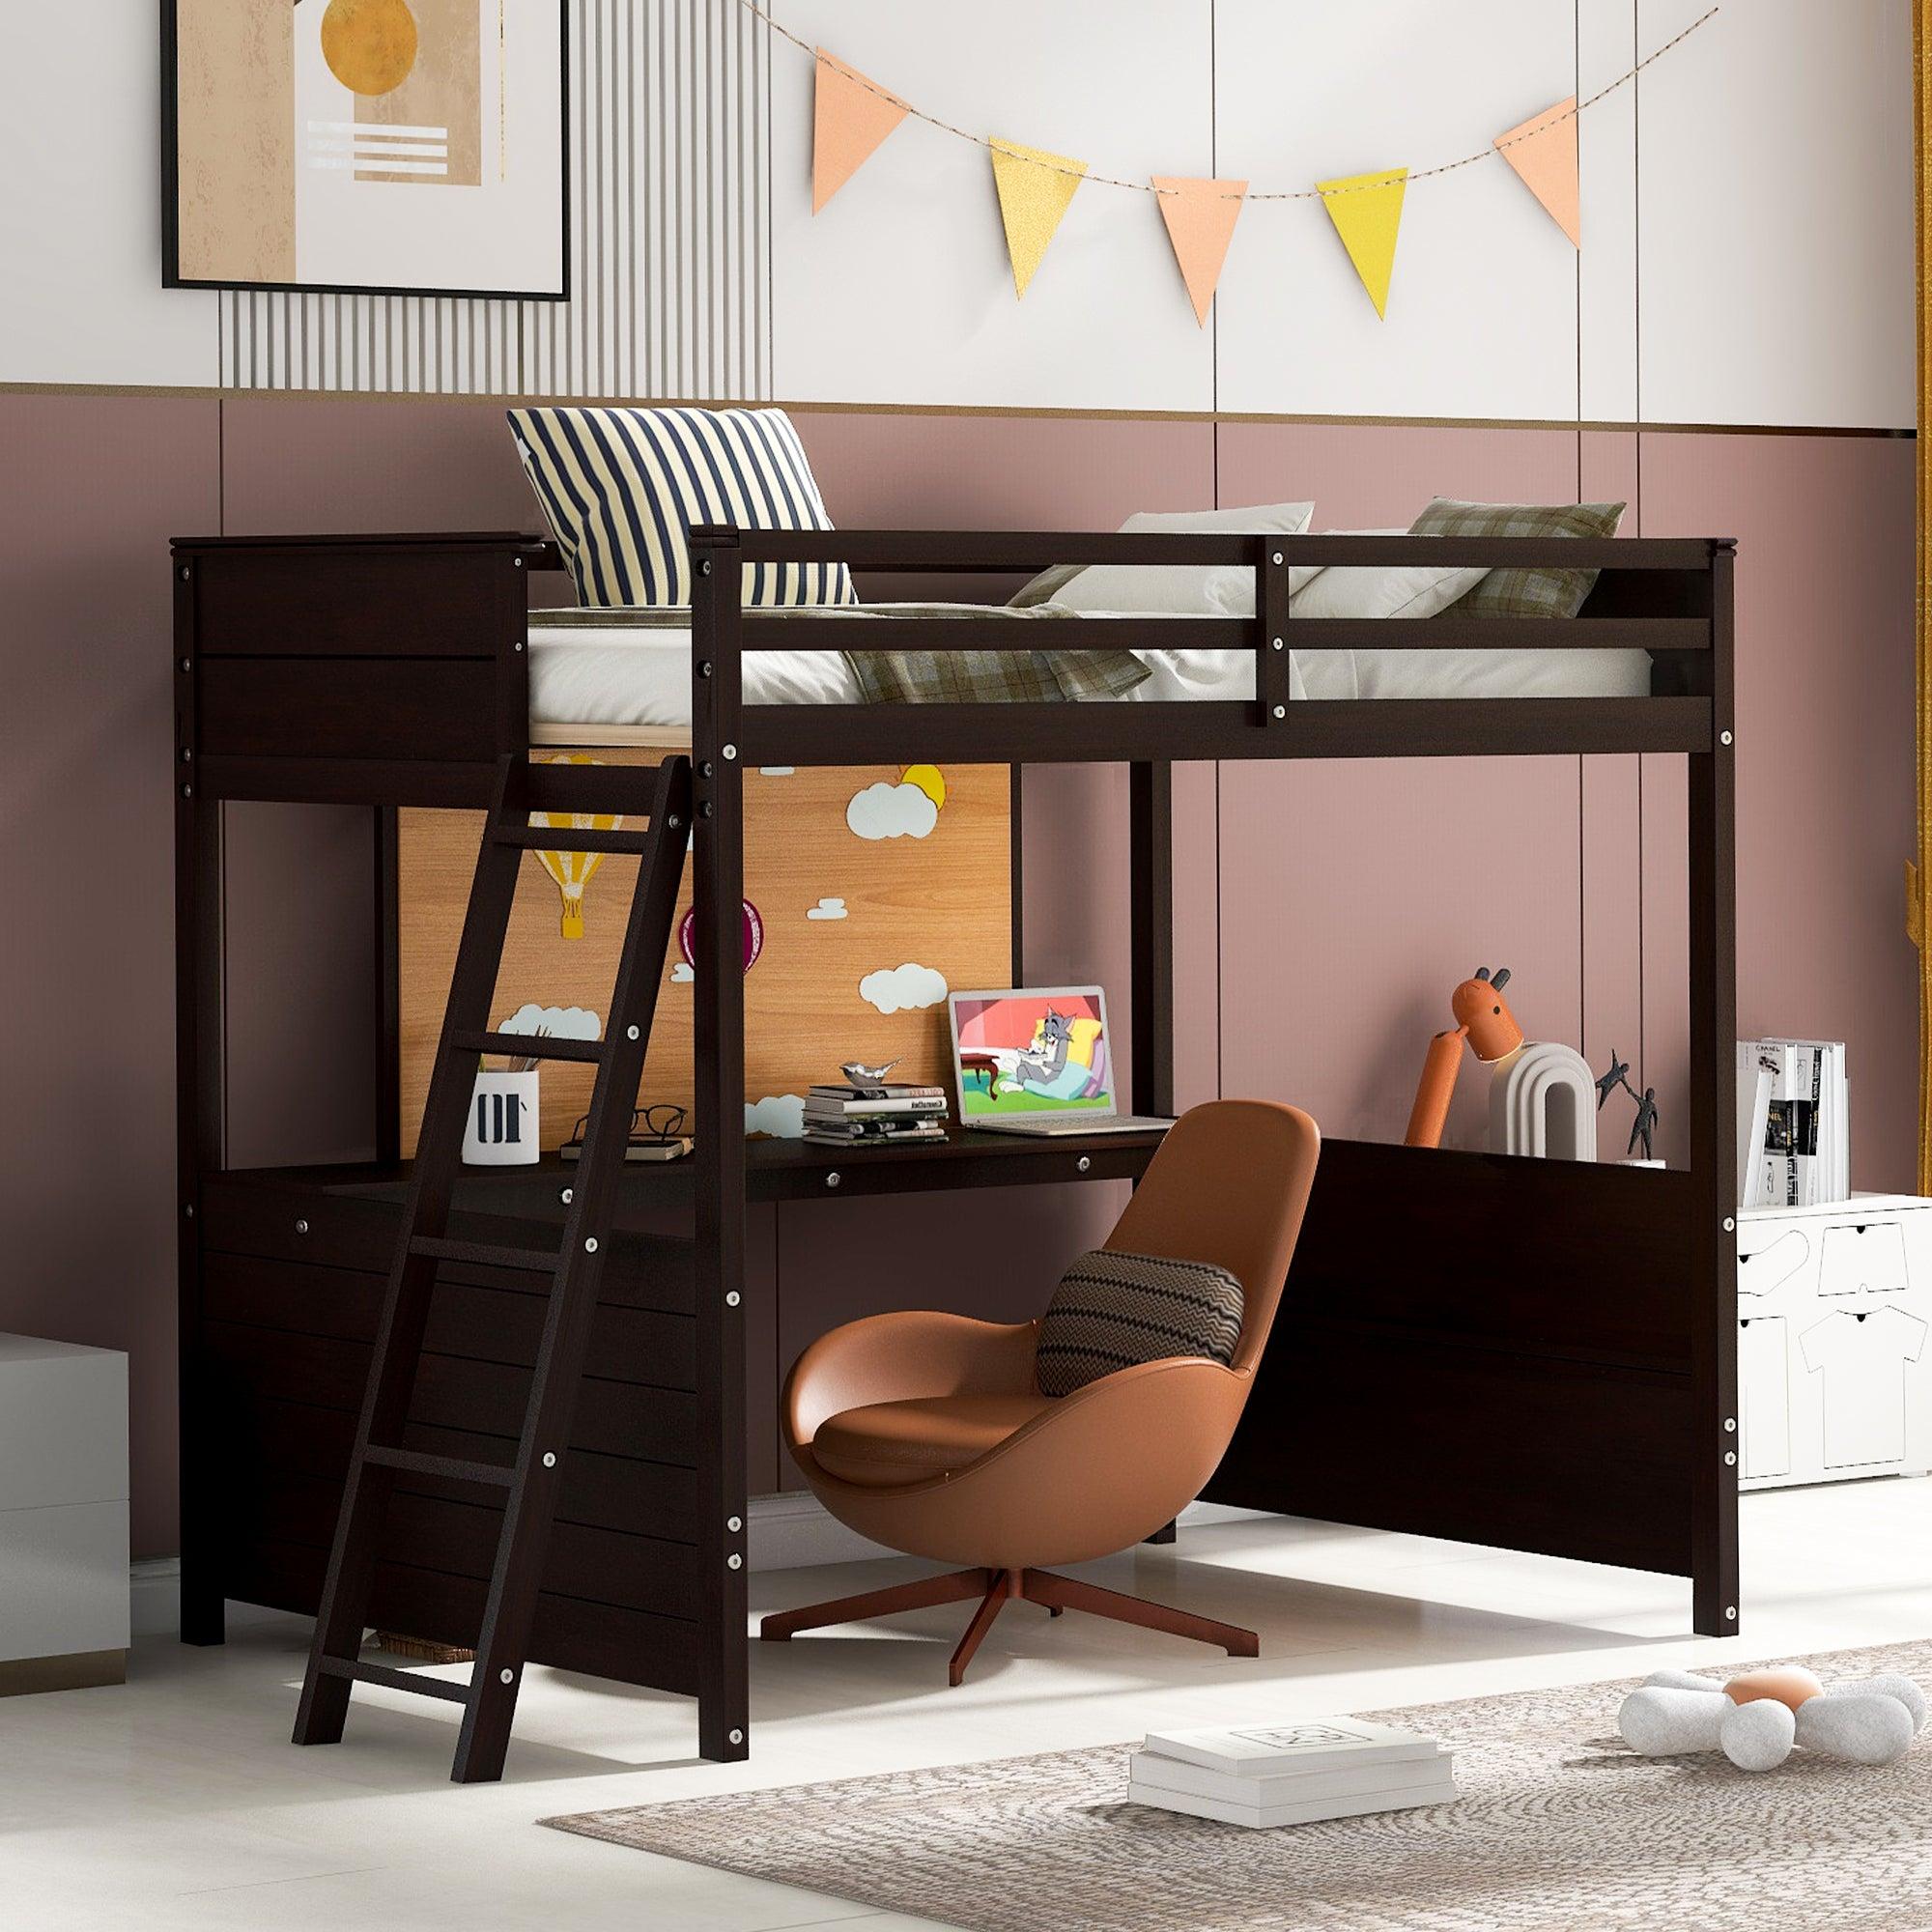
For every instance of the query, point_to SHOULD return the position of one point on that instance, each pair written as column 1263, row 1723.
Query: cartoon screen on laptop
column 1032, row 1053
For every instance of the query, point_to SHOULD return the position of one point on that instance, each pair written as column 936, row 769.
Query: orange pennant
column 1543, row 151
column 1200, row 217
column 850, row 116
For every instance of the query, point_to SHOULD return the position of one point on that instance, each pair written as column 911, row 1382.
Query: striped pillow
column 622, row 487
column 1114, row 1310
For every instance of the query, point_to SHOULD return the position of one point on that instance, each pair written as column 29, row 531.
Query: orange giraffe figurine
column 1491, row 1029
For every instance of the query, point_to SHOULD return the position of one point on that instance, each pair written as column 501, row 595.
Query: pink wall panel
column 92, row 489
column 1825, row 745
column 1355, row 896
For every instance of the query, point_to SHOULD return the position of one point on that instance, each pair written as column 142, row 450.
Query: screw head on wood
column 590, row 1244
column 1085, row 1163
column 188, row 1210
column 704, row 667
column 1724, row 737
column 731, row 1300
column 301, row 1227
column 734, row 1523
column 564, row 1196
column 734, row 1561
column 518, row 645
column 187, row 791
column 674, row 822
column 630, row 1033
column 737, row 1737
column 515, row 563
column 1730, row 1424
column 1731, row 1613
column 1281, row 711
column 184, row 573
column 1278, row 643
column 832, row 1181
column 1730, row 1225
column 507, row 1676
column 731, row 752
column 1277, row 556
column 550, row 1458
column 704, row 566
column 1730, row 1458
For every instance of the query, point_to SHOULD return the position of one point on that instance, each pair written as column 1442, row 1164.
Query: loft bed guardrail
column 1552, row 1344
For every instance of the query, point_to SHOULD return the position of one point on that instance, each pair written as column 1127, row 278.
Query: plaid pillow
column 1521, row 593
column 1112, row 1311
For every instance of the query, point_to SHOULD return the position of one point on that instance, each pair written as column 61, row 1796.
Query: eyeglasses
column 659, row 1123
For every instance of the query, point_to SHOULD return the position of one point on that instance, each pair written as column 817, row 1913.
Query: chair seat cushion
column 1114, row 1310
column 887, row 1443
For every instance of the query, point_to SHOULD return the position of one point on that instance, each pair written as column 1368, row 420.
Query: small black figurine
column 1644, row 1126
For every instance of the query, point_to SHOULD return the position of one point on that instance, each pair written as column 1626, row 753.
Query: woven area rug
column 1559, row 1825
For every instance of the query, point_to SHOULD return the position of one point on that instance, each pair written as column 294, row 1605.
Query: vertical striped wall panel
column 669, row 243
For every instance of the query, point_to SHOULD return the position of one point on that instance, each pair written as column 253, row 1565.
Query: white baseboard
column 154, row 1595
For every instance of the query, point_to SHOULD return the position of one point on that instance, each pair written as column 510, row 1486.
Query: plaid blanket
column 1019, row 677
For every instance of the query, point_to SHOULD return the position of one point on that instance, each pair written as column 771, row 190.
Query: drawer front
column 308, row 1225
column 1776, row 1258
column 64, row 1430
column 64, row 1579
column 1863, row 1258
column 374, row 708
column 478, row 1397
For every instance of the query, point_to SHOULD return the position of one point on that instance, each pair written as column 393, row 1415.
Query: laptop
column 1036, row 1060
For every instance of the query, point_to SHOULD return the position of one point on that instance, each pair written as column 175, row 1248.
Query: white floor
column 177, row 1800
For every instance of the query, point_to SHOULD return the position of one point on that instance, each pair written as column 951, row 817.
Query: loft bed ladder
column 528, row 1486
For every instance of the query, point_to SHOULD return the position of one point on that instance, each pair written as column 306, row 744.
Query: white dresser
column 63, row 1516
column 1835, row 1314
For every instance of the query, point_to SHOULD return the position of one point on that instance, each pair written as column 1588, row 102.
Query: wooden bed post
column 1150, row 859
column 717, row 1044
column 1712, row 1285
column 198, row 1124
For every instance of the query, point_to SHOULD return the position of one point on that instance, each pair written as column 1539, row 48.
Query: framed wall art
column 388, row 146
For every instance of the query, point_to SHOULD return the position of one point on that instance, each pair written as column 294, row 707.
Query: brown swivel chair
column 927, row 1432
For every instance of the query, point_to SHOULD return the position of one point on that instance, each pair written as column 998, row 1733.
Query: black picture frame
column 173, row 279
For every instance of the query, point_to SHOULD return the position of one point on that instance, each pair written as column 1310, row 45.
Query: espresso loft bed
column 1535, row 1355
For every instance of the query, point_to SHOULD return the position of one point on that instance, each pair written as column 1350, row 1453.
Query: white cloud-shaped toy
column 559, row 1022
column 779, row 1114
column 891, row 811
column 825, row 909
column 903, row 989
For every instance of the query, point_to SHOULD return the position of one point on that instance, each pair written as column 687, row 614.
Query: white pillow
column 1183, row 590
column 1373, row 591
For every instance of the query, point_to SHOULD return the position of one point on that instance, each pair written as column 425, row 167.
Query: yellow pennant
column 1367, row 211
column 1034, row 189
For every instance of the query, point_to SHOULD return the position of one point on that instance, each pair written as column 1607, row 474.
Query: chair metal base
column 995, row 1588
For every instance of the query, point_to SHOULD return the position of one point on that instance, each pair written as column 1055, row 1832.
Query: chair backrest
column 1229, row 1185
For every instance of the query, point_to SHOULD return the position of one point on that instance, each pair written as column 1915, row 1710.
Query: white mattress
column 589, row 675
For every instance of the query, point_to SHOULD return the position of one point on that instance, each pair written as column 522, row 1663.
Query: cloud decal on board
column 559, row 1022
column 827, row 909
column 779, row 1114
column 681, row 973
column 891, row 811
column 903, row 989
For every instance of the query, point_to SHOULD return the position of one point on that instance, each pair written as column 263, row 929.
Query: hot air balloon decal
column 574, row 870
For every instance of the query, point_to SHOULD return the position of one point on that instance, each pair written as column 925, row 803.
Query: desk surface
column 781, row 1171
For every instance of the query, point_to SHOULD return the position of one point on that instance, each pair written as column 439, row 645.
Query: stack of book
column 888, row 1114
column 1291, row 1774
column 1794, row 1140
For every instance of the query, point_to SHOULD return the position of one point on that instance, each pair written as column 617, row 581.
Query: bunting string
column 1324, row 193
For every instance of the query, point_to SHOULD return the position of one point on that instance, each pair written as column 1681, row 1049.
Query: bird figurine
column 862, row 1075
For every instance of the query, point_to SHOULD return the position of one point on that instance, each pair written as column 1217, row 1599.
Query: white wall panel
column 80, row 210
column 1482, row 313
column 1607, row 289
column 901, row 290
column 1774, row 154
column 667, row 242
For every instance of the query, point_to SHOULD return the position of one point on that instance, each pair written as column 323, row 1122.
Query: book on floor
column 1312, row 1744
column 1270, row 1818
column 1428, row 1776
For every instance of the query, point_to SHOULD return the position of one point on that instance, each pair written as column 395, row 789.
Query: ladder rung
column 453, row 1468
column 397, row 1680
column 564, row 838
column 529, row 1046
column 485, row 1254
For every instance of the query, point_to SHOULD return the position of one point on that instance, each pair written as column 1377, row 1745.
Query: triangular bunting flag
column 850, row 116
column 1367, row 211
column 1543, row 151
column 1034, row 189
column 1200, row 217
